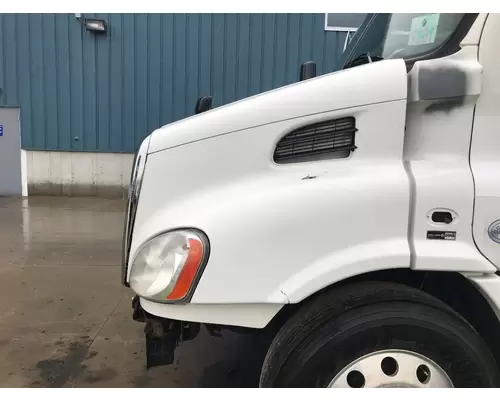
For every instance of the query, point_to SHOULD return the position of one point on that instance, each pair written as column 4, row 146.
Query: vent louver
column 317, row 141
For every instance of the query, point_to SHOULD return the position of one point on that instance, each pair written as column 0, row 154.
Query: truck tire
column 377, row 334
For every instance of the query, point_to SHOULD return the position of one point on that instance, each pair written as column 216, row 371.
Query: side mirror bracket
column 203, row 104
column 307, row 70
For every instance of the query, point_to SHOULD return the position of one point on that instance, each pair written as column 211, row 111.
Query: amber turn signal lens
column 188, row 273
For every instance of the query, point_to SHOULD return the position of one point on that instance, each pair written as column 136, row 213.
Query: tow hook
column 162, row 335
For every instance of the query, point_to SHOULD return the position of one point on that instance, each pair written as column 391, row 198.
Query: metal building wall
column 83, row 91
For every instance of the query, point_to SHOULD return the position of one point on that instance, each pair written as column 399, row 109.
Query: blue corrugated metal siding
column 88, row 92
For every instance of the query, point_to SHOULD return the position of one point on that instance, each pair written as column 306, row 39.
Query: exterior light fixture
column 96, row 25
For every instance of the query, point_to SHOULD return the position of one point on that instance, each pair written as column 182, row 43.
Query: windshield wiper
column 363, row 58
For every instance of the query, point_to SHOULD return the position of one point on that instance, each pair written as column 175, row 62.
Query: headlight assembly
column 166, row 267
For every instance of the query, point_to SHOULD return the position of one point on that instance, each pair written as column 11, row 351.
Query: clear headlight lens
column 165, row 267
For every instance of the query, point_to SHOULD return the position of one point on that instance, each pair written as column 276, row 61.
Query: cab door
column 485, row 146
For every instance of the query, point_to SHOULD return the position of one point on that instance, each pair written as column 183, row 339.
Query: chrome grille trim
column 132, row 202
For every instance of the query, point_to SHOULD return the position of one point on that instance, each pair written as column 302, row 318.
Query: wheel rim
column 392, row 368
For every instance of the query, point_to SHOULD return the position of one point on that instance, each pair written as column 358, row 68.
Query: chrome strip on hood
column 132, row 202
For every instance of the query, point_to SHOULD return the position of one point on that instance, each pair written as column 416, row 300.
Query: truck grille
column 137, row 174
column 129, row 218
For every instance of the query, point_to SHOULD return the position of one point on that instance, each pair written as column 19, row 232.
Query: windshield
column 406, row 36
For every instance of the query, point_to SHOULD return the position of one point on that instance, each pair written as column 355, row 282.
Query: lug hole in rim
column 389, row 366
column 423, row 374
column 355, row 379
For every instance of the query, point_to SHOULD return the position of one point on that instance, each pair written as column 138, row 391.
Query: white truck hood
column 353, row 87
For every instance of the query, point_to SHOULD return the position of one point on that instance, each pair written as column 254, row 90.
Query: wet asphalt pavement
column 65, row 319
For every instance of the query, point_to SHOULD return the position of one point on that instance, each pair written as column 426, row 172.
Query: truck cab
column 354, row 216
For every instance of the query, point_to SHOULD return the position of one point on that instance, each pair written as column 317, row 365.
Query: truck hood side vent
column 323, row 140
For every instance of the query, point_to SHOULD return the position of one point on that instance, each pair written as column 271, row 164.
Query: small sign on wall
column 1, row 130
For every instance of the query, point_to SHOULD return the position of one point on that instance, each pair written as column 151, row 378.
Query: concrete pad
column 41, row 360
column 49, row 317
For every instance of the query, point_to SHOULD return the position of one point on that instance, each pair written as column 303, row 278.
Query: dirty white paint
column 78, row 173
